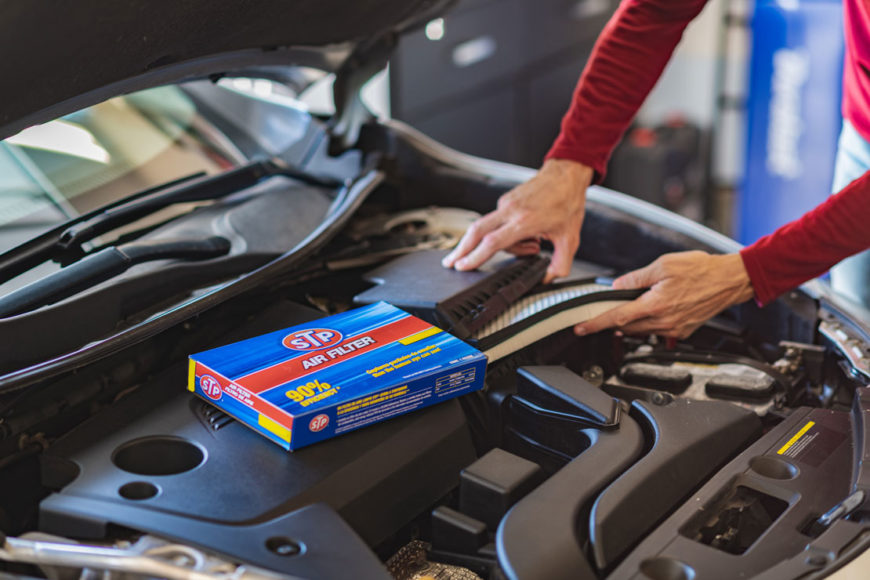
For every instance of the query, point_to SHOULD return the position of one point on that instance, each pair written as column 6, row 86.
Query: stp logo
column 312, row 339
column 318, row 423
column 210, row 386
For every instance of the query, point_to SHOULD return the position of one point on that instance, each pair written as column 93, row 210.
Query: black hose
column 104, row 265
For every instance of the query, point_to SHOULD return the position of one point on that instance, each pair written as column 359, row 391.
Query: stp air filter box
column 311, row 382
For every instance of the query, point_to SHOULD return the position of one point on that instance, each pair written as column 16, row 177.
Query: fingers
column 564, row 248
column 643, row 278
column 471, row 239
column 648, row 325
column 620, row 316
column 525, row 248
column 499, row 239
column 686, row 289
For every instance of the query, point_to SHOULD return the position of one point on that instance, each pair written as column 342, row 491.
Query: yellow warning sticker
column 796, row 437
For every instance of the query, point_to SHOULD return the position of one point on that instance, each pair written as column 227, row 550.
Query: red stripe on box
column 291, row 370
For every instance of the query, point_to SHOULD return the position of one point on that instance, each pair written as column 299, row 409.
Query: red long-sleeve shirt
column 625, row 64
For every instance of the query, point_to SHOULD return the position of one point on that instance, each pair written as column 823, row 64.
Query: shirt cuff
column 599, row 166
column 753, row 263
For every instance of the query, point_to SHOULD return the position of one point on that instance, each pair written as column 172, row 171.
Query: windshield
column 56, row 171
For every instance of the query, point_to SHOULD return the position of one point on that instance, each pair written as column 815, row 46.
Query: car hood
column 62, row 56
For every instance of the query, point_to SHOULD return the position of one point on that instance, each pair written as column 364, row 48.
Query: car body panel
column 63, row 57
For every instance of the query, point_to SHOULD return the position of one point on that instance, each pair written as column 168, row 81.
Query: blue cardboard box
column 310, row 382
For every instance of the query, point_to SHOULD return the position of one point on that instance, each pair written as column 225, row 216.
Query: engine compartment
column 603, row 456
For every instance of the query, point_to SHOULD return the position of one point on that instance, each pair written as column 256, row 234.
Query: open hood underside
column 63, row 56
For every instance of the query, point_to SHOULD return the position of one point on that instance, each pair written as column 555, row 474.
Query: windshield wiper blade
column 63, row 244
column 43, row 247
column 104, row 265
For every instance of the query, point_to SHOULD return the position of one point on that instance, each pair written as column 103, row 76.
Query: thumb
column 642, row 278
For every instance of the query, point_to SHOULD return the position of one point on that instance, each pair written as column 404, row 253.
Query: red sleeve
column 810, row 245
column 625, row 64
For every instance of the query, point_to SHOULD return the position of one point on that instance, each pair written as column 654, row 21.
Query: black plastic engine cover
column 754, row 517
column 165, row 462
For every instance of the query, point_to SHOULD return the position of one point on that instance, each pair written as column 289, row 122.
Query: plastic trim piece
column 690, row 440
column 854, row 349
column 317, row 527
column 552, row 551
column 811, row 479
column 557, row 391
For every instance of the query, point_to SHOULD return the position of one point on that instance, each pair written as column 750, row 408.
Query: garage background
column 494, row 77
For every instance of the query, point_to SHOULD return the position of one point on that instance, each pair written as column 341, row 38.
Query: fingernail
column 445, row 261
column 461, row 263
column 579, row 330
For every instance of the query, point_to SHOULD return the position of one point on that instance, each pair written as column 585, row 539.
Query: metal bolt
column 283, row 546
column 594, row 375
column 817, row 560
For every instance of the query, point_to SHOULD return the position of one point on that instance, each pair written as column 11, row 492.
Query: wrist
column 577, row 174
column 732, row 268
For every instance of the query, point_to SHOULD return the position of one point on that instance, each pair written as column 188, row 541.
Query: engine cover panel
column 161, row 460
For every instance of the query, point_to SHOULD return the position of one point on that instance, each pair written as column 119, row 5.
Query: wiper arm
column 63, row 244
column 104, row 265
column 44, row 246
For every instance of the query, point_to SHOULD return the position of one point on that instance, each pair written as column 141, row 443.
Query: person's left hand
column 685, row 290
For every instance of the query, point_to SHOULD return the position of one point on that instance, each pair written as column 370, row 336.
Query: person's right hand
column 550, row 206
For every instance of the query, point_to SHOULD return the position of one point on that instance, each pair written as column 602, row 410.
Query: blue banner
column 793, row 112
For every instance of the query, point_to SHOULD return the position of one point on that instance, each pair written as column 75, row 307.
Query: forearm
column 810, row 245
column 625, row 64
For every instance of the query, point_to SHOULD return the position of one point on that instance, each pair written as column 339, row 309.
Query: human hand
column 550, row 206
column 685, row 290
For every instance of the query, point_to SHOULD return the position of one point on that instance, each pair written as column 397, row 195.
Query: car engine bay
column 736, row 452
